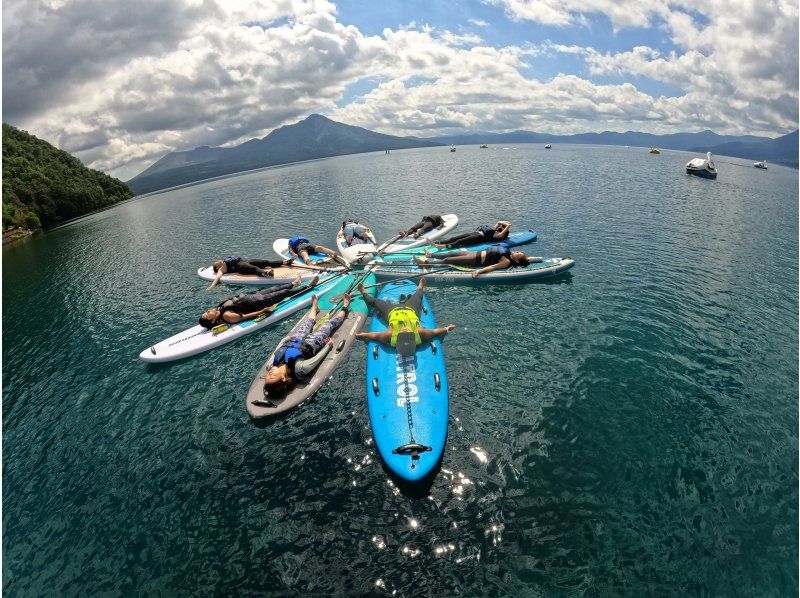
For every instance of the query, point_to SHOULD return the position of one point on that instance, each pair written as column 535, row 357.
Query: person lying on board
column 424, row 226
column 493, row 258
column 354, row 233
column 238, row 265
column 482, row 234
column 247, row 306
column 304, row 343
column 300, row 247
column 404, row 331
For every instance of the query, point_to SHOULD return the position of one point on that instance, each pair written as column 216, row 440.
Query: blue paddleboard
column 512, row 240
column 397, row 385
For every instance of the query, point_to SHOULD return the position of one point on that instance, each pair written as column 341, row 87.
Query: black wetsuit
column 238, row 265
column 383, row 307
column 483, row 234
column 488, row 257
column 249, row 302
column 427, row 224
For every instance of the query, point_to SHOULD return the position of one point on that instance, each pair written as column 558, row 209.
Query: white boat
column 548, row 146
column 702, row 167
column 452, row 148
column 484, row 146
column 762, row 165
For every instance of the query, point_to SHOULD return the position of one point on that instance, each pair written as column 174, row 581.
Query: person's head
column 498, row 226
column 218, row 264
column 278, row 380
column 210, row 318
column 349, row 221
column 519, row 259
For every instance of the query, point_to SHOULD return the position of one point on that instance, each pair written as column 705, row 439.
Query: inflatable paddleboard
column 257, row 403
column 198, row 339
column 450, row 222
column 359, row 253
column 513, row 240
column 281, row 247
column 412, row 388
column 547, row 268
column 282, row 275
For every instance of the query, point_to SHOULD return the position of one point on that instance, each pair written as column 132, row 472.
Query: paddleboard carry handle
column 375, row 351
column 433, row 347
column 412, row 448
column 437, row 381
column 375, row 388
column 340, row 346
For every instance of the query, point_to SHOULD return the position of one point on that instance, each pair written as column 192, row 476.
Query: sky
column 120, row 84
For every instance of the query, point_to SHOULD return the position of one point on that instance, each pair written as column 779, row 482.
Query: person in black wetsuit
column 482, row 234
column 304, row 343
column 426, row 225
column 493, row 258
column 237, row 265
column 251, row 305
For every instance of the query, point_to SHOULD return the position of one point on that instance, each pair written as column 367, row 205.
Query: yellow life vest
column 404, row 317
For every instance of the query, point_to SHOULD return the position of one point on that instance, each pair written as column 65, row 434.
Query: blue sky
column 121, row 88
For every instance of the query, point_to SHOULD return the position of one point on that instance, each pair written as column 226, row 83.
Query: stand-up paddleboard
column 281, row 275
column 450, row 222
column 281, row 247
column 258, row 404
column 360, row 253
column 407, row 397
column 436, row 274
column 513, row 240
column 198, row 339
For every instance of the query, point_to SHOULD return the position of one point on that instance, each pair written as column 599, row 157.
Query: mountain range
column 312, row 138
column 320, row 137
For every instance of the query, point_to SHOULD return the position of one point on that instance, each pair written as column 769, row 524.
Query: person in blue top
column 300, row 247
column 303, row 344
column 238, row 265
column 482, row 234
column 493, row 258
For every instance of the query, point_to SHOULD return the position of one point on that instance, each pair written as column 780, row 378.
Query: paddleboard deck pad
column 407, row 394
column 259, row 405
column 198, row 339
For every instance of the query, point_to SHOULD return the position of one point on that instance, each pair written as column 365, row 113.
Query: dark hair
column 207, row 323
column 523, row 261
column 276, row 388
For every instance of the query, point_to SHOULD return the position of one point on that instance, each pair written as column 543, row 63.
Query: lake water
column 630, row 429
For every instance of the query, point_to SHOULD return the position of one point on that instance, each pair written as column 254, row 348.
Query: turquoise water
column 628, row 430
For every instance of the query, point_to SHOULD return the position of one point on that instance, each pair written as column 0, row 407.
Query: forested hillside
column 43, row 185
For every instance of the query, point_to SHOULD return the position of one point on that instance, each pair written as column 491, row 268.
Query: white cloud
column 122, row 91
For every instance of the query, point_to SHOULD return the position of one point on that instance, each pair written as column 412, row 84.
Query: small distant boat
column 452, row 148
column 703, row 168
column 655, row 150
column 548, row 146
column 762, row 165
column 484, row 146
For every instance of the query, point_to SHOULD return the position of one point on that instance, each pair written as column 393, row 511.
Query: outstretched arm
column 427, row 334
column 220, row 272
column 233, row 317
column 384, row 337
column 501, row 265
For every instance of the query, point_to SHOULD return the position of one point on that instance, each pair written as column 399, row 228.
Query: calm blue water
column 628, row 430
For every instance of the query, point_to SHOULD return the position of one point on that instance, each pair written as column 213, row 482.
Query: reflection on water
column 628, row 431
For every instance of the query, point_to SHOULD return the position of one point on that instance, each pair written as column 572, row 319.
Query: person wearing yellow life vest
column 404, row 330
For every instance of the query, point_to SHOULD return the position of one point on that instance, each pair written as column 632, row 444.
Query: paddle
column 382, row 246
column 340, row 301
